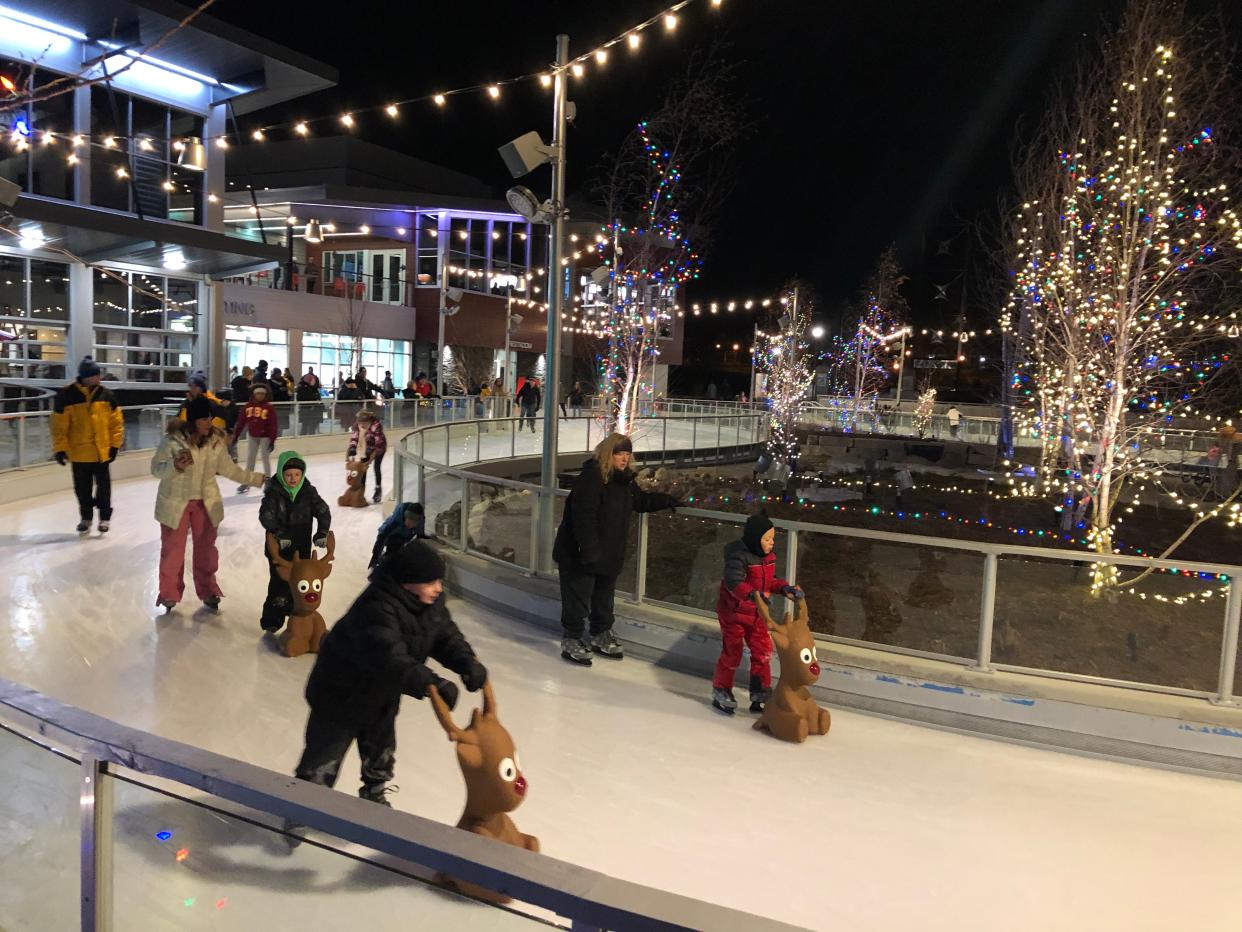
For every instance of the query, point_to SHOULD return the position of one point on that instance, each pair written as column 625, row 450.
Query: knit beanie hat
column 756, row 527
column 414, row 563
column 197, row 377
column 88, row 368
column 197, row 409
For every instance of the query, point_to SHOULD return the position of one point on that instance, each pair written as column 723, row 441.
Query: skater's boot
column 378, row 496
column 723, row 701
column 575, row 650
column 103, row 525
column 84, row 528
column 273, row 618
column 378, row 793
column 212, row 602
column 167, row 605
column 758, row 695
column 243, row 489
column 606, row 644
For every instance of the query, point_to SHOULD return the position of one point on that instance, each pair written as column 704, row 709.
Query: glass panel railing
column 528, row 439
column 40, row 836
column 498, row 521
column 906, row 595
column 184, row 863
column 463, row 443
column 443, row 506
column 434, row 445
column 497, row 441
column 1168, row 633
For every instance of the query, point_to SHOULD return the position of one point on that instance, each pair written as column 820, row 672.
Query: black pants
column 377, row 464
column 585, row 595
column 279, row 601
column 328, row 740
column 528, row 414
column 83, row 475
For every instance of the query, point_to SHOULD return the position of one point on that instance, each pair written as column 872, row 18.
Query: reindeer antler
column 273, row 549
column 762, row 606
column 444, row 715
column 804, row 616
column 331, row 547
column 489, row 699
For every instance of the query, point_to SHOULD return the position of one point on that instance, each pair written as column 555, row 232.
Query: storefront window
column 33, row 301
column 32, row 166
column 428, row 248
column 146, row 326
column 335, row 356
column 247, row 345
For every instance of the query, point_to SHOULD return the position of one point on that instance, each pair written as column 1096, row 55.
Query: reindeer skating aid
column 791, row 714
column 305, row 578
column 494, row 782
column 355, row 484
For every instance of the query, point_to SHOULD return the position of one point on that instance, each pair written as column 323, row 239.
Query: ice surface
column 881, row 825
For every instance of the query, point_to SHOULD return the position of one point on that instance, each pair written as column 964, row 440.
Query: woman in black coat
column 590, row 547
column 373, row 656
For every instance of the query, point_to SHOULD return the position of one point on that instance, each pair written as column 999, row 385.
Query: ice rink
column 881, row 825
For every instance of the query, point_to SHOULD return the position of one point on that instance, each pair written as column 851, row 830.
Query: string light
column 301, row 128
column 439, row 99
column 545, row 80
column 347, row 120
column 257, row 135
column 670, row 21
column 634, row 40
column 391, row 110
column 494, row 92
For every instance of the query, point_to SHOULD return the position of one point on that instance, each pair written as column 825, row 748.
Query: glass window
column 110, row 144
column 147, row 307
column 32, row 293
column 186, row 198
column 50, row 169
column 428, row 272
column 49, row 290
column 154, row 323
column 149, row 129
column 15, row 152
column 182, row 305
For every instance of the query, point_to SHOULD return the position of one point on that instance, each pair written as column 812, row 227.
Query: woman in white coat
column 187, row 462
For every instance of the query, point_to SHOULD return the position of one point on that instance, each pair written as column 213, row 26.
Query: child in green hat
column 295, row 514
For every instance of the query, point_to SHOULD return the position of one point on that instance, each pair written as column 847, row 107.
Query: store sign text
column 239, row 308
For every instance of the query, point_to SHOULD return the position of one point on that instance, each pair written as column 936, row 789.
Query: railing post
column 21, row 440
column 465, row 511
column 398, row 477
column 718, row 438
column 95, row 808
column 1229, row 647
column 478, row 441
column 694, row 439
column 296, row 418
column 987, row 611
column 664, row 454
column 512, row 439
column 640, row 583
column 448, row 430
column 791, row 556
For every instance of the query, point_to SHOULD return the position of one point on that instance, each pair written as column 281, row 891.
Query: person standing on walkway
column 529, row 398
column 590, row 547
column 187, row 462
column 196, row 386
column 88, row 431
column 955, row 421
column 310, row 407
column 576, row 400
column 258, row 420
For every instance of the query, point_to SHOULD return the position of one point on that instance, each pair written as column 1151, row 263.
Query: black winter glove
column 284, row 543
column 793, row 592
column 321, row 542
column 475, row 676
column 448, row 692
column 62, row 459
column 112, row 452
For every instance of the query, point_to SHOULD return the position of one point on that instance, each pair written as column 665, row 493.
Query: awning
column 96, row 235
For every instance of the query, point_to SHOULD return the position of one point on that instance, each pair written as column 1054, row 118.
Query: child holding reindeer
column 296, row 515
column 749, row 569
column 368, row 433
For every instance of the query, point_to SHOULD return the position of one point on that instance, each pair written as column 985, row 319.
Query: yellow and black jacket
column 86, row 423
column 217, row 410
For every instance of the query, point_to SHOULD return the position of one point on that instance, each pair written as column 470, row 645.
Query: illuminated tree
column 786, row 356
column 1125, row 263
column 872, row 351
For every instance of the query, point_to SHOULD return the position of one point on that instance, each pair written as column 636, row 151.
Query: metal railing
column 982, row 605
column 96, row 797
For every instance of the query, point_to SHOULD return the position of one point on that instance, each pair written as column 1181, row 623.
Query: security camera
column 525, row 154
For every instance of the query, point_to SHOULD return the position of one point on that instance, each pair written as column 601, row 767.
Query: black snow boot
column 378, row 793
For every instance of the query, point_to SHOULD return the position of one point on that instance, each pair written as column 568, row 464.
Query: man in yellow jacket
column 87, row 431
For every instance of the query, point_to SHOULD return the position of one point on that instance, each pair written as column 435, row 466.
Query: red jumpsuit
column 745, row 572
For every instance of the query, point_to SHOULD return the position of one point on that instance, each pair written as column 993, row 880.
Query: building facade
column 117, row 240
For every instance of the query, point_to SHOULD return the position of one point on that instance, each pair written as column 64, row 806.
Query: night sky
column 874, row 123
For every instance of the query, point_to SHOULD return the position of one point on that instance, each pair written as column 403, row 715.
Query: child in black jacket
column 295, row 514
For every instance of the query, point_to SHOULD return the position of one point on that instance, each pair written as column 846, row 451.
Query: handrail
column 578, row 893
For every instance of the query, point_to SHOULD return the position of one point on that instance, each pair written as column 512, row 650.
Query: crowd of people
column 377, row 652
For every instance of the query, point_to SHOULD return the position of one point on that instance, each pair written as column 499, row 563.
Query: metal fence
column 985, row 606
column 109, row 827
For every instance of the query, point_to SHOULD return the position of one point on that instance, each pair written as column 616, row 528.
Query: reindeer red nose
column 519, row 786
column 814, row 669
column 312, row 597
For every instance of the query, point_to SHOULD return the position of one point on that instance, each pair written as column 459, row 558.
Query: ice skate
column 723, row 700
column 606, row 644
column 243, row 489
column 576, row 651
column 84, row 528
column 212, row 603
column 377, row 497
column 759, row 696
column 103, row 527
column 167, row 605
column 378, row 793
column 293, row 833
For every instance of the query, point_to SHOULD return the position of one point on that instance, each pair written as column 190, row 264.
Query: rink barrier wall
column 107, row 752
column 1189, row 729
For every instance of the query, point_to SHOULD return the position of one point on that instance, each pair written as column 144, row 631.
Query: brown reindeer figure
column 791, row 714
column 305, row 578
column 494, row 782
column 355, row 484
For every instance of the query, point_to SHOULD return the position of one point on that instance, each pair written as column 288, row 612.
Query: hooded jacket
column 596, row 524
column 298, row 514
column 747, row 569
column 378, row 652
column 373, row 440
column 86, row 423
column 178, row 489
column 393, row 534
column 217, row 416
column 258, row 418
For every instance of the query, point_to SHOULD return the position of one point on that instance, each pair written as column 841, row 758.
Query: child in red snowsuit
column 368, row 433
column 750, row 567
column 258, row 419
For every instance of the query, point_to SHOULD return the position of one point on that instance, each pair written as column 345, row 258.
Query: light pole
column 551, row 393
column 901, row 367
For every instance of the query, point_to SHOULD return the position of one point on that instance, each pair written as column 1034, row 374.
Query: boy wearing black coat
column 294, row 513
column 372, row 657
